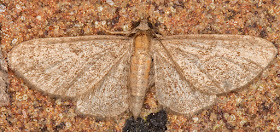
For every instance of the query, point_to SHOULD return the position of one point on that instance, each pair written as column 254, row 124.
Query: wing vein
column 227, row 59
column 205, row 49
column 201, row 69
column 53, row 65
column 177, row 69
column 89, row 65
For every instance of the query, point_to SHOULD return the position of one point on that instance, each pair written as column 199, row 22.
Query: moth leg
column 152, row 76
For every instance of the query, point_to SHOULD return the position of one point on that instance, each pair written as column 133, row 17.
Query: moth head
column 144, row 24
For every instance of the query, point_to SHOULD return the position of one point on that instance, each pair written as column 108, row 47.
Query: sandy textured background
column 254, row 108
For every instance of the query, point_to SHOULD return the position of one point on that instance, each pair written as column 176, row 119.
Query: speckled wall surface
column 253, row 108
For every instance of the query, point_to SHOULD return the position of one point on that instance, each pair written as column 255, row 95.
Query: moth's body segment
column 139, row 71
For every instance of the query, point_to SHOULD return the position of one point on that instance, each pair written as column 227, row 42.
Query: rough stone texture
column 248, row 109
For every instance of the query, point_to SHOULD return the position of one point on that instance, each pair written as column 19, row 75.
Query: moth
column 4, row 97
column 109, row 74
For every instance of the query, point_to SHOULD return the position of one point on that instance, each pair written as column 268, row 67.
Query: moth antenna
column 125, row 33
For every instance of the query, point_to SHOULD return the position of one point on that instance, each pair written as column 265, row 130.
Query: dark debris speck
column 155, row 122
column 132, row 125
column 230, row 126
column 44, row 129
column 60, row 126
column 263, row 34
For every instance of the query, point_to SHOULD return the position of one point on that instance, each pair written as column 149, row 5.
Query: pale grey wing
column 172, row 89
column 111, row 98
column 4, row 97
column 67, row 66
column 216, row 64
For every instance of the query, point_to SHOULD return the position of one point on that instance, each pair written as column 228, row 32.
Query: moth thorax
column 142, row 41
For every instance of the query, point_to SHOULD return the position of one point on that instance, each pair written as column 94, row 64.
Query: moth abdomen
column 139, row 72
